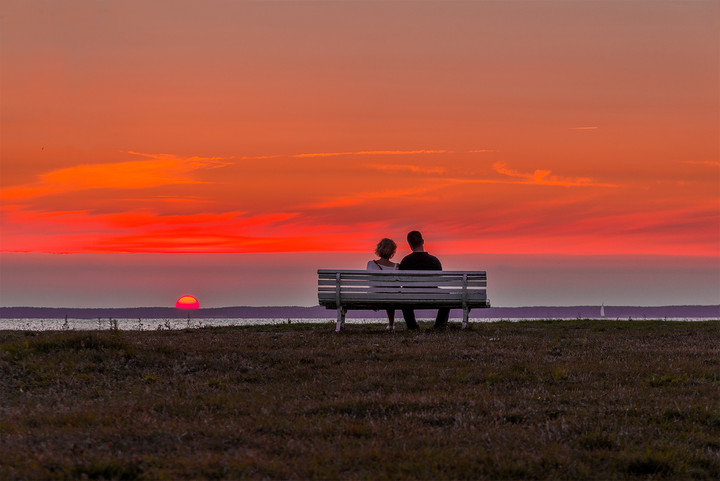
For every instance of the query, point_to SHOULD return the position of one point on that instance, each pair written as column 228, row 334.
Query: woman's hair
column 386, row 248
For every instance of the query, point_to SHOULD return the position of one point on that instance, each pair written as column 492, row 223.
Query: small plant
column 560, row 374
column 111, row 469
column 596, row 440
column 65, row 326
column 668, row 379
column 650, row 464
column 215, row 383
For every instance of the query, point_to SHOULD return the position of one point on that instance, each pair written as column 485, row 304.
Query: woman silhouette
column 385, row 250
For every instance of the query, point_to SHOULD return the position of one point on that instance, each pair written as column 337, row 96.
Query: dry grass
column 538, row 400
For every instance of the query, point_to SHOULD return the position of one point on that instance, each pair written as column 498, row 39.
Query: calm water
column 173, row 324
column 137, row 324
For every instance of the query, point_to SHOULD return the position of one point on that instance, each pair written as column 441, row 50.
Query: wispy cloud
column 155, row 170
column 363, row 197
column 372, row 152
column 225, row 232
column 544, row 177
column 259, row 157
column 537, row 177
column 362, row 153
column 397, row 168
column 711, row 163
column 145, row 231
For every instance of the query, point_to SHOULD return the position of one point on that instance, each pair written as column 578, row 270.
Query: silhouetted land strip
column 318, row 312
column 546, row 399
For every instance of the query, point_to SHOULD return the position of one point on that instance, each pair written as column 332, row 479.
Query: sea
column 139, row 324
column 176, row 324
column 158, row 319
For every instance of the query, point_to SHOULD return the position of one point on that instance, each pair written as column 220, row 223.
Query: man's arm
column 438, row 264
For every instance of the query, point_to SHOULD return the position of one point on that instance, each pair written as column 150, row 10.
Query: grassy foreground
column 545, row 399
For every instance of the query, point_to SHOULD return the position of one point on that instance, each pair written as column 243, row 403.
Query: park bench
column 354, row 289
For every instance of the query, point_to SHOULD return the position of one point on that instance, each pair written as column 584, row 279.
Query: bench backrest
column 387, row 288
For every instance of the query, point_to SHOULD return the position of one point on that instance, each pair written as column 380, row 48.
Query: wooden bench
column 353, row 289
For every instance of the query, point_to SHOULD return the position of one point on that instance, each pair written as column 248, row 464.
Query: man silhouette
column 419, row 260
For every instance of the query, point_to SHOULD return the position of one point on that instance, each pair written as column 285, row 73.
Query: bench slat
column 392, row 301
column 377, row 305
column 351, row 272
column 474, row 302
column 402, row 281
column 402, row 297
column 345, row 293
column 413, row 288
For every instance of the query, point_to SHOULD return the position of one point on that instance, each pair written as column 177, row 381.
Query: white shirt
column 374, row 266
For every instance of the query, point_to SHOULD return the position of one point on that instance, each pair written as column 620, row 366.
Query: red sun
column 187, row 302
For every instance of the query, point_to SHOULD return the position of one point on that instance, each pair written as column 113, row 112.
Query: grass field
column 529, row 400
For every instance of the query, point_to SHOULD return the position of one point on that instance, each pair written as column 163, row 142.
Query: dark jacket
column 420, row 261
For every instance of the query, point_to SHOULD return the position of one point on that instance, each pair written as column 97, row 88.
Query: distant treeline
column 318, row 312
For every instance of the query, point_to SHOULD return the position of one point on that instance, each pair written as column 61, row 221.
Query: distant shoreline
column 319, row 312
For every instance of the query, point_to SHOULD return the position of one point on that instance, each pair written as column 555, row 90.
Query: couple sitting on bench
column 418, row 260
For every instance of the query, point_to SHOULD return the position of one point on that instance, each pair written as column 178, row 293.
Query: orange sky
column 506, row 128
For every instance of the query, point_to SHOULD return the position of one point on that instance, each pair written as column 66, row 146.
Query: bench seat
column 355, row 289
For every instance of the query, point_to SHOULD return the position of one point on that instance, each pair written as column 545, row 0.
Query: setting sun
column 187, row 302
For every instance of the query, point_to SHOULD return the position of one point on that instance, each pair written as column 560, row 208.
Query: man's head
column 415, row 240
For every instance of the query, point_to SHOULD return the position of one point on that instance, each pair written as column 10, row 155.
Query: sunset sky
column 229, row 149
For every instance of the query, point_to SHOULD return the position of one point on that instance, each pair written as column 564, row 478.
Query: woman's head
column 386, row 248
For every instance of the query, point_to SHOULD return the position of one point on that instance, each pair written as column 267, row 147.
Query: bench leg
column 466, row 316
column 340, row 318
